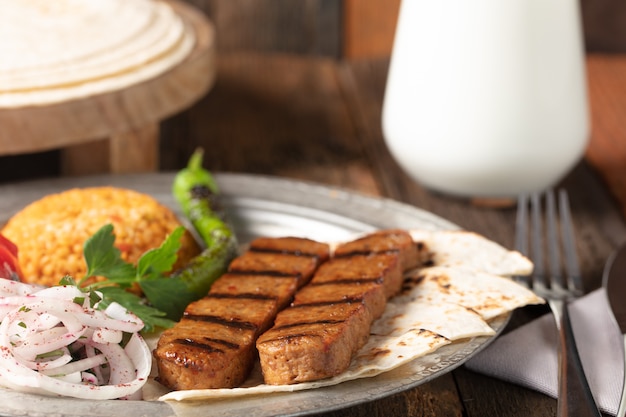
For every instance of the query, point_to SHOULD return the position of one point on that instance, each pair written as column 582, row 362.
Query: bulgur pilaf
column 50, row 232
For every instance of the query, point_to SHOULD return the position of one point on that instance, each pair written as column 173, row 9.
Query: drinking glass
column 487, row 98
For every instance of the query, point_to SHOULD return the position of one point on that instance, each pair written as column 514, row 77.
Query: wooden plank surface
column 296, row 122
column 305, row 27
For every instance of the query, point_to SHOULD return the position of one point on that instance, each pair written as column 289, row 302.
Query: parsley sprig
column 164, row 295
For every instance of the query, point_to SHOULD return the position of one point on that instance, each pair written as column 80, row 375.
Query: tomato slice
column 12, row 247
column 9, row 266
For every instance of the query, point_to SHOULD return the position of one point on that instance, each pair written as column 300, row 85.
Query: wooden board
column 127, row 118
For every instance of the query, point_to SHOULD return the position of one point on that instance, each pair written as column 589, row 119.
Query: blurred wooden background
column 352, row 29
column 331, row 31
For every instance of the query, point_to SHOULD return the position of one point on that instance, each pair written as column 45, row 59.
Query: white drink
column 487, row 97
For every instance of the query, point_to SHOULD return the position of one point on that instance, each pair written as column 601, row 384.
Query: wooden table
column 319, row 120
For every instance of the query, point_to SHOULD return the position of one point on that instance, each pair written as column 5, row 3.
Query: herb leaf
column 104, row 259
column 168, row 295
column 155, row 262
column 68, row 280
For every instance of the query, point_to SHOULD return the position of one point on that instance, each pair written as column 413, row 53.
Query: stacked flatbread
column 64, row 49
column 467, row 286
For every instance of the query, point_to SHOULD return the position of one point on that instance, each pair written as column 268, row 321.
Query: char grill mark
column 204, row 346
column 295, row 336
column 343, row 299
column 265, row 273
column 251, row 296
column 361, row 252
column 213, row 345
column 306, row 323
column 356, row 269
column 273, row 264
column 316, row 338
column 222, row 321
column 411, row 254
column 291, row 246
column 280, row 289
column 370, row 293
column 206, row 340
column 349, row 281
column 284, row 252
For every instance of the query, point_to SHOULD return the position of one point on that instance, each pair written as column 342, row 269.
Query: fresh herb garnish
column 163, row 294
column 104, row 259
column 79, row 300
column 51, row 354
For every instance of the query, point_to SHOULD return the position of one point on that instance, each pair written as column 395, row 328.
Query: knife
column 614, row 282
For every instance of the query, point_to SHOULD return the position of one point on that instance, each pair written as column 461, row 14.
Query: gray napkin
column 527, row 356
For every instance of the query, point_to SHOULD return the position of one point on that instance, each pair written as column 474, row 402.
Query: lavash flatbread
column 67, row 49
column 41, row 34
column 487, row 294
column 451, row 301
column 473, row 251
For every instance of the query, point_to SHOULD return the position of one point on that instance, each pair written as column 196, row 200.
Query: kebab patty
column 317, row 336
column 213, row 346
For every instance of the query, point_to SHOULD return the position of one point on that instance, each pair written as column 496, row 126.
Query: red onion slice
column 43, row 331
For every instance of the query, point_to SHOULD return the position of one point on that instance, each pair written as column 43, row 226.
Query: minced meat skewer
column 330, row 318
column 213, row 346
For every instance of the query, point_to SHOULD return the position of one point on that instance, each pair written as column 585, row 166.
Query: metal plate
column 260, row 206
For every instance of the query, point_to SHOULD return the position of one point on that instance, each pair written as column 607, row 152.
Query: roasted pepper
column 197, row 194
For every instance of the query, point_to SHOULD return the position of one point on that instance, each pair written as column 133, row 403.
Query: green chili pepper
column 202, row 270
column 197, row 194
column 191, row 176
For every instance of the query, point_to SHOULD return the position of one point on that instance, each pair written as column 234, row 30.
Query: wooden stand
column 117, row 131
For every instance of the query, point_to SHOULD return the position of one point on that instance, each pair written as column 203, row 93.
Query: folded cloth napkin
column 528, row 355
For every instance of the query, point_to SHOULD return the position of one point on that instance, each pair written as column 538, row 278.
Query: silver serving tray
column 259, row 206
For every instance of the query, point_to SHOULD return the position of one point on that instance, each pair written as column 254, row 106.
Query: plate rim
column 256, row 186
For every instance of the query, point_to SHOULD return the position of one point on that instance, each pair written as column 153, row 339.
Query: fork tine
column 569, row 246
column 539, row 277
column 572, row 383
column 521, row 235
column 521, row 228
column 553, row 242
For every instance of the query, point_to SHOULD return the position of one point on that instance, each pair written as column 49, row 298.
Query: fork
column 557, row 279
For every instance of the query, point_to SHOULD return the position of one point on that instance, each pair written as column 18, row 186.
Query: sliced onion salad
column 52, row 342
